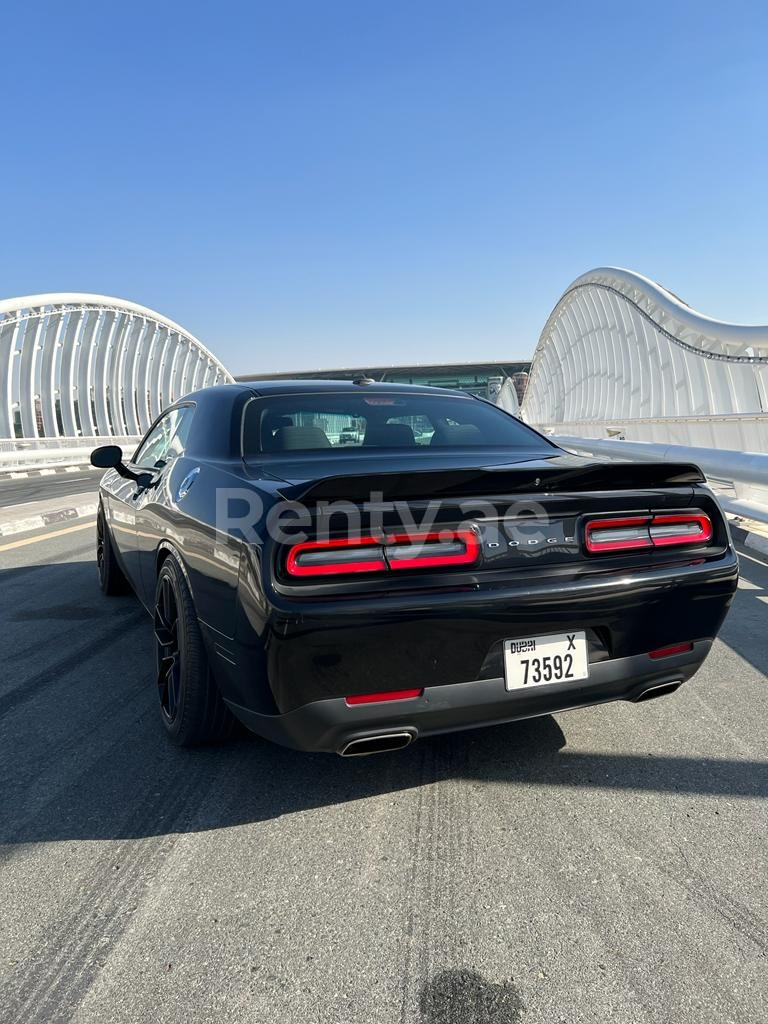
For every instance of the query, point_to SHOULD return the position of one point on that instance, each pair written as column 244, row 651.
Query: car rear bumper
column 331, row 724
column 290, row 653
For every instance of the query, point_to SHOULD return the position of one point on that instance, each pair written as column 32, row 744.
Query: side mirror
column 109, row 456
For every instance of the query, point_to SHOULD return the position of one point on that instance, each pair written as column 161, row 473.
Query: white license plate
column 542, row 660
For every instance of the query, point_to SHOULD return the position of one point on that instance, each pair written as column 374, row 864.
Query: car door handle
column 186, row 483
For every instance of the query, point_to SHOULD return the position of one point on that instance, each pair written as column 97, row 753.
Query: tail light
column 681, row 529
column 618, row 534
column 344, row 555
column 430, row 550
column 331, row 557
column 651, row 531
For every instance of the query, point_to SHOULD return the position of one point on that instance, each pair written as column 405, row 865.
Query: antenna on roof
column 363, row 381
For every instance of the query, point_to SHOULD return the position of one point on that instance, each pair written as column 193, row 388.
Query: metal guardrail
column 39, row 444
column 19, row 455
column 744, row 475
column 738, row 432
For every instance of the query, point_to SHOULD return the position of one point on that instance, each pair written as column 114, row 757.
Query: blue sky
column 330, row 184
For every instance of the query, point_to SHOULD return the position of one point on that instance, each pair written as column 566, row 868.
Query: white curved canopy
column 74, row 364
column 619, row 347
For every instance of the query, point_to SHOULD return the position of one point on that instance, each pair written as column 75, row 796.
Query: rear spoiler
column 463, row 483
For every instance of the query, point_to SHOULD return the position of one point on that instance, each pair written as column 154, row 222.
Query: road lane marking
column 746, row 585
column 45, row 536
column 752, row 558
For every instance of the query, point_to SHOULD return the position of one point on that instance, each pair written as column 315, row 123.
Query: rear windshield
column 347, row 422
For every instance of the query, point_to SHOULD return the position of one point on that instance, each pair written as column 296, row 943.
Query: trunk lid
column 526, row 510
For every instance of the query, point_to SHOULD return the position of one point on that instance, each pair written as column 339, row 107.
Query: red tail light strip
column 651, row 531
column 681, row 529
column 429, row 550
column 344, row 555
column 375, row 698
column 618, row 534
column 330, row 557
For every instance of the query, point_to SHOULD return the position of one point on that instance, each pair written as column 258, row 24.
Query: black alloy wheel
column 112, row 580
column 191, row 708
column 168, row 653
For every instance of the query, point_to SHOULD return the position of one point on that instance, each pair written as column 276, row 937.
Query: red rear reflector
column 667, row 652
column 375, row 698
column 651, row 531
column 331, row 557
column 427, row 550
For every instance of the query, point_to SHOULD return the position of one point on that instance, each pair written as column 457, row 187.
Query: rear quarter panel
column 186, row 525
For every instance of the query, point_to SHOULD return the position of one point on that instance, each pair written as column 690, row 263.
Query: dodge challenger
column 443, row 567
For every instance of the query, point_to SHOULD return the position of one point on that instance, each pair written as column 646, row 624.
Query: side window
column 178, row 443
column 166, row 440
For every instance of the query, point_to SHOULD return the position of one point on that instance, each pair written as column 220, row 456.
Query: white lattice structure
column 620, row 355
column 75, row 365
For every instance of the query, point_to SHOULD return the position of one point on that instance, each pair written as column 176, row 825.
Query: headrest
column 389, row 435
column 295, row 438
column 462, row 434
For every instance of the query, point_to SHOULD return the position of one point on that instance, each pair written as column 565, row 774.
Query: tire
column 191, row 708
column 112, row 579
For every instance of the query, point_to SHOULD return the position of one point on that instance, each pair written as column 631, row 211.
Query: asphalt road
column 603, row 865
column 40, row 488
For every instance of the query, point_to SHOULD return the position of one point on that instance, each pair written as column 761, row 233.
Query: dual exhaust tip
column 379, row 743
column 382, row 743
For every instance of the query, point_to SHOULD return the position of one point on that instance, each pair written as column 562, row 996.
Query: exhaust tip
column 657, row 691
column 380, row 744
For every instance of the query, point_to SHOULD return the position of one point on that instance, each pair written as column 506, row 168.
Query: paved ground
column 39, row 488
column 603, row 865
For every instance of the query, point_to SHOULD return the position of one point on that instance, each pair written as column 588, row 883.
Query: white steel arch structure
column 620, row 354
column 79, row 365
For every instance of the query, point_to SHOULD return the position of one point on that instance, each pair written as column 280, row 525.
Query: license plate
column 542, row 660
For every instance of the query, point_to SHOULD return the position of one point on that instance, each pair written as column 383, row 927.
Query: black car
column 352, row 599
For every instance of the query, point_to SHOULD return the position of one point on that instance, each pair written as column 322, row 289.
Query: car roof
column 315, row 386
